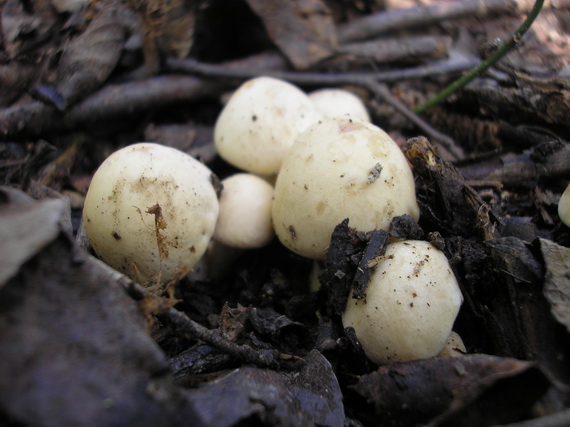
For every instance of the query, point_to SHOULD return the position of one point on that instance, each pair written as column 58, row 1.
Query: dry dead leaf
column 87, row 61
column 304, row 30
column 557, row 280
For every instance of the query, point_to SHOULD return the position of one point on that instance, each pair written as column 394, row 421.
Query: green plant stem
column 501, row 51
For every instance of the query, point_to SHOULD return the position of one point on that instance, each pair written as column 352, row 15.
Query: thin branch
column 436, row 68
column 111, row 102
column 263, row 358
column 487, row 63
column 382, row 91
column 395, row 20
column 212, row 337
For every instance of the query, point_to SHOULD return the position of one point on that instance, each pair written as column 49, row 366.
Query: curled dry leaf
column 433, row 386
column 87, row 61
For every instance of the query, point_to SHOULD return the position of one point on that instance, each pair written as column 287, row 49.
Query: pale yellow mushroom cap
column 334, row 102
column 260, row 122
column 150, row 212
column 564, row 207
column 412, row 300
column 340, row 168
column 245, row 212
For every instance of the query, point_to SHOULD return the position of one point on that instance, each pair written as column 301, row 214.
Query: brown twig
column 113, row 101
column 212, row 337
column 395, row 20
column 263, row 358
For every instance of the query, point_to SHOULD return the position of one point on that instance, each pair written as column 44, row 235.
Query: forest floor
column 250, row 343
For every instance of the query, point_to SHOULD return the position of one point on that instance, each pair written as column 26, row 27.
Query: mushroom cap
column 260, row 122
column 340, row 168
column 333, row 102
column 245, row 212
column 564, row 207
column 412, row 300
column 124, row 225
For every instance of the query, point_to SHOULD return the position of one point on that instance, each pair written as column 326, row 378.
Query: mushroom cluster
column 331, row 163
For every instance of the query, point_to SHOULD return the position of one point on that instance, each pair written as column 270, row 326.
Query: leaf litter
column 252, row 346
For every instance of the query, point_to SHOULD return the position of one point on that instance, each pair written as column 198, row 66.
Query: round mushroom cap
column 340, row 168
column 245, row 212
column 564, row 207
column 412, row 300
column 150, row 212
column 334, row 102
column 260, row 122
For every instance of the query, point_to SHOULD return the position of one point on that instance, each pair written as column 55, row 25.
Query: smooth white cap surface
column 245, row 212
column 412, row 300
column 260, row 122
column 340, row 168
column 122, row 231
column 339, row 102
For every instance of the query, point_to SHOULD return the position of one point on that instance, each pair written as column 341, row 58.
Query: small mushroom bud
column 412, row 300
column 150, row 212
column 564, row 207
column 339, row 102
column 245, row 212
column 340, row 168
column 260, row 122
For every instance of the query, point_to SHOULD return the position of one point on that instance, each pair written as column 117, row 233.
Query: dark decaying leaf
column 505, row 312
column 447, row 203
column 73, row 345
column 87, row 61
column 14, row 81
column 253, row 396
column 343, row 255
column 485, row 388
column 557, row 280
column 26, row 25
column 167, row 28
column 303, row 30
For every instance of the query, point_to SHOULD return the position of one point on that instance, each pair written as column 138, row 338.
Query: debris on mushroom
column 340, row 168
column 150, row 212
column 260, row 122
column 244, row 220
column 412, row 300
column 333, row 102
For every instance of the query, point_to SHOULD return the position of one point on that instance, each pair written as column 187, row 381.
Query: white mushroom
column 454, row 346
column 564, row 207
column 260, row 122
column 340, row 168
column 150, row 212
column 412, row 300
column 333, row 102
column 245, row 212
